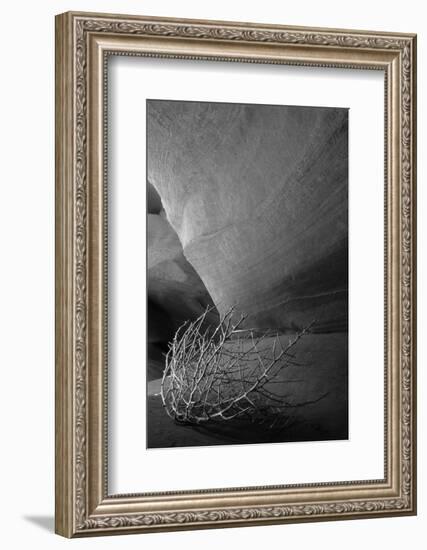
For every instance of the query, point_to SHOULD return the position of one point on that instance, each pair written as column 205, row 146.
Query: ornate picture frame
column 84, row 42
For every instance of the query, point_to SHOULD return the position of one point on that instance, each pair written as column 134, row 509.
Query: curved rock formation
column 175, row 291
column 258, row 198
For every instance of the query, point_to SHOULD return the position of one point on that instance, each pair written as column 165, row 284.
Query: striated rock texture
column 258, row 198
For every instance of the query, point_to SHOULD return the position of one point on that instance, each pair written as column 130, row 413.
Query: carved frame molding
column 83, row 42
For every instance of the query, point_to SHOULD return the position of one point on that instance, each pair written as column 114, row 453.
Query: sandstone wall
column 258, row 198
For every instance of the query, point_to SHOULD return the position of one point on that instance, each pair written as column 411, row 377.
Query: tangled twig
column 225, row 372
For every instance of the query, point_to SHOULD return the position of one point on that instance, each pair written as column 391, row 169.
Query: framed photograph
column 235, row 274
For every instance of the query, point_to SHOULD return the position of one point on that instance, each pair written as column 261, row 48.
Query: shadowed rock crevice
column 175, row 291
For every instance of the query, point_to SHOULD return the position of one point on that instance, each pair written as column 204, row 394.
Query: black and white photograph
column 213, row 262
column 247, row 301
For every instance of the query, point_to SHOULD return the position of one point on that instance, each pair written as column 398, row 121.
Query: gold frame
column 83, row 42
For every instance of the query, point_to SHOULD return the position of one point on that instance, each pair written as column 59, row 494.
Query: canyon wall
column 257, row 196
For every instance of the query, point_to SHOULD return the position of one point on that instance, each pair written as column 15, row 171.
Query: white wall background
column 27, row 273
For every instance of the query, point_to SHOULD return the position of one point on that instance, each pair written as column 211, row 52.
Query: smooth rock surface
column 258, row 198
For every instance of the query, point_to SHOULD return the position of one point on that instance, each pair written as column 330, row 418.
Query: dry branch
column 225, row 372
